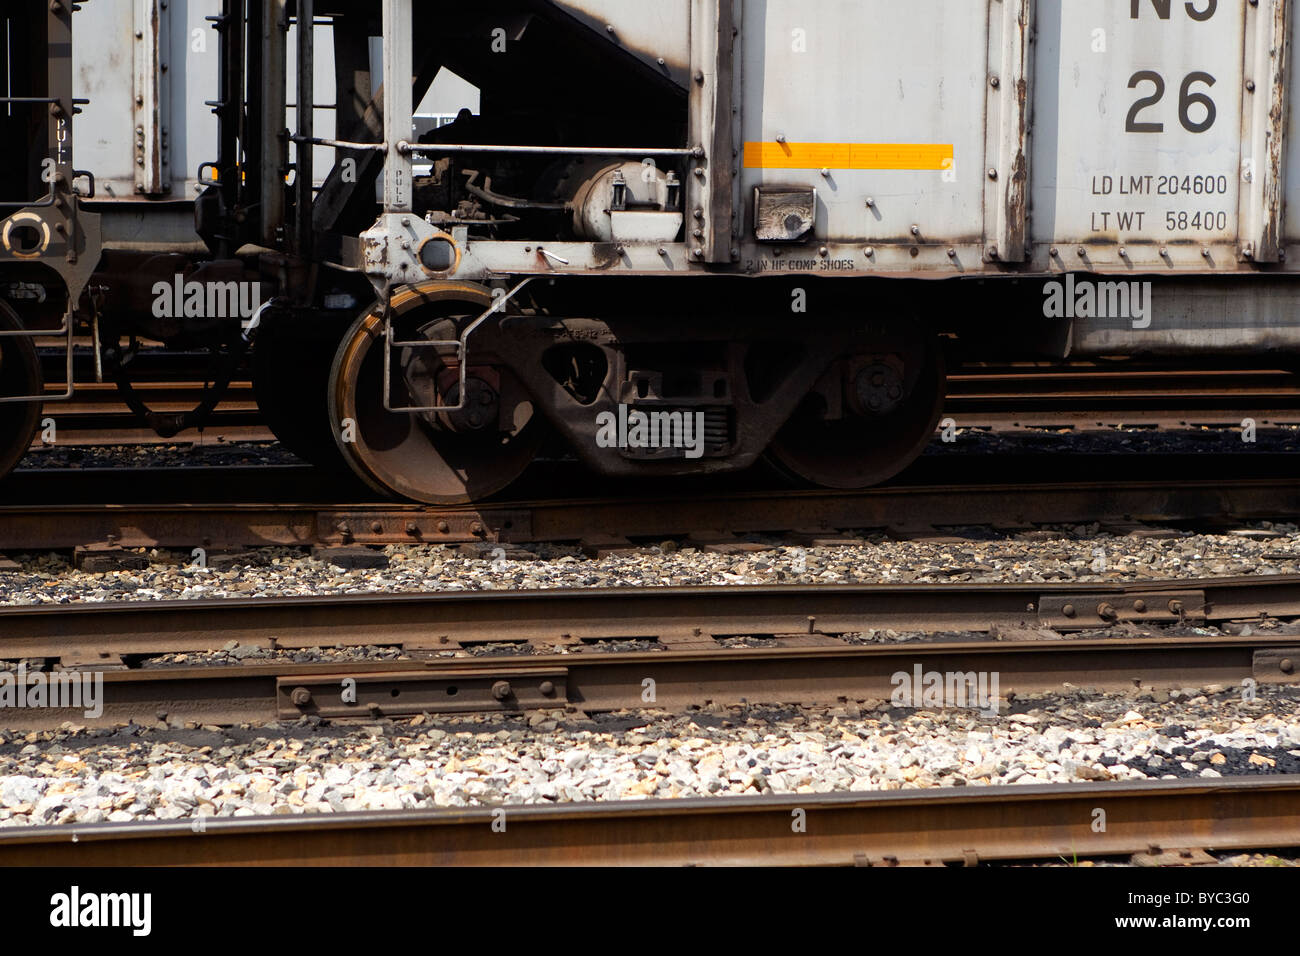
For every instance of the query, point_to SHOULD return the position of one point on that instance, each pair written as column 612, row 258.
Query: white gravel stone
column 139, row 774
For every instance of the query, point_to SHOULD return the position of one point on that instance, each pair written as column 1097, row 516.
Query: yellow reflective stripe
column 767, row 155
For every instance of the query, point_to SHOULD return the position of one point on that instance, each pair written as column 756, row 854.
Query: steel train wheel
column 20, row 374
column 291, row 367
column 859, row 450
column 416, row 455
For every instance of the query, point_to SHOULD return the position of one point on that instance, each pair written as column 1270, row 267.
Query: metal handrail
column 437, row 148
column 38, row 333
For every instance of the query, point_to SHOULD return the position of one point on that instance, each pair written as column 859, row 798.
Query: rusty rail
column 52, row 526
column 806, row 650
column 681, row 677
column 438, row 620
column 972, row 825
column 999, row 397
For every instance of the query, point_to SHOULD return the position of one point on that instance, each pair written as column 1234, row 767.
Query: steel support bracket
column 1276, row 665
column 1183, row 856
column 387, row 527
column 478, row 690
column 1078, row 611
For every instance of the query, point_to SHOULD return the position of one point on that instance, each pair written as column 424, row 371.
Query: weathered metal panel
column 1137, row 144
column 709, row 194
column 1263, row 120
column 1290, row 227
column 103, row 72
column 113, row 66
column 1228, row 315
column 877, row 104
column 194, row 80
column 1006, row 191
column 656, row 33
column 151, row 97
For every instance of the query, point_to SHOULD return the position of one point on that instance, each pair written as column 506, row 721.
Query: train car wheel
column 437, row 458
column 863, row 447
column 20, row 374
column 291, row 365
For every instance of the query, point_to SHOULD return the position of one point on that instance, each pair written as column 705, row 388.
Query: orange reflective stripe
column 767, row 155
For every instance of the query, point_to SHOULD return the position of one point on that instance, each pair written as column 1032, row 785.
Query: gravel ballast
column 135, row 773
column 1074, row 553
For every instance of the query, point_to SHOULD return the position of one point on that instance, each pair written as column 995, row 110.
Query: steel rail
column 434, row 619
column 286, row 522
column 682, row 675
column 967, row 826
column 804, row 656
column 999, row 398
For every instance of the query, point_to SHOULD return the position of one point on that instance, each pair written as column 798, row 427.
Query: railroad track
column 279, row 509
column 801, row 646
column 1091, row 396
column 1079, row 396
column 968, row 826
column 96, row 415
